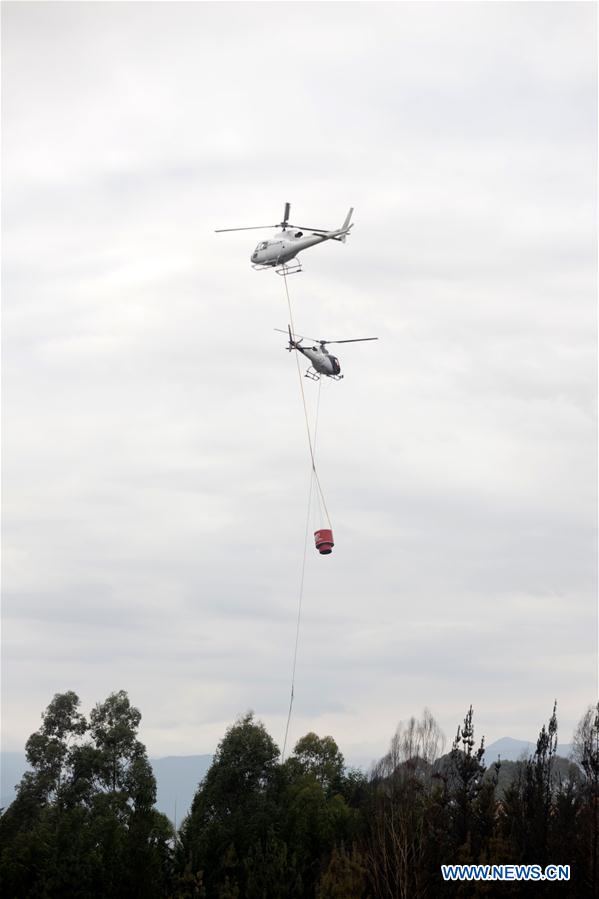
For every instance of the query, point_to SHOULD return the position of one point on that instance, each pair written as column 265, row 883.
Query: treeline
column 83, row 823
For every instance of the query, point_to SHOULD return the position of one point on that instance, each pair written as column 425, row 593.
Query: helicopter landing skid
column 293, row 269
column 315, row 376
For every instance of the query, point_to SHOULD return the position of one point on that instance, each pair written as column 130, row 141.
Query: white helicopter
column 279, row 250
column 323, row 362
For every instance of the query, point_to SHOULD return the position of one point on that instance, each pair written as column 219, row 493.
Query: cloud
column 155, row 457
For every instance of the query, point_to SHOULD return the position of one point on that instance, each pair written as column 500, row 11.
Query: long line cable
column 298, row 620
column 320, row 496
column 301, row 383
column 301, row 590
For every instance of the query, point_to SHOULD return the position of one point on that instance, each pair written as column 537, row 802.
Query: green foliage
column 467, row 772
column 48, row 749
column 528, row 804
column 320, row 758
column 345, row 877
column 316, row 806
column 264, row 828
column 83, row 822
column 232, row 811
column 586, row 753
column 113, row 728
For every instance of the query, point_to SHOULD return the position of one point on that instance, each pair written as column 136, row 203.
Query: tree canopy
column 83, row 823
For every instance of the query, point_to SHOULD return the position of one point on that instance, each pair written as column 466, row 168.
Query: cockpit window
column 263, row 245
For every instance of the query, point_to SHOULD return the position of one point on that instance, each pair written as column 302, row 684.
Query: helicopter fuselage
column 286, row 245
column 322, row 361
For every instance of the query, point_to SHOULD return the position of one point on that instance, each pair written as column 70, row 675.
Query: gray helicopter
column 278, row 251
column 322, row 362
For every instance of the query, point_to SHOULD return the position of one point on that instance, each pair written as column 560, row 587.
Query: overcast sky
column 155, row 459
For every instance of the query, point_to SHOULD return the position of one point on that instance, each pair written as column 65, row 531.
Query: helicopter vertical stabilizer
column 346, row 224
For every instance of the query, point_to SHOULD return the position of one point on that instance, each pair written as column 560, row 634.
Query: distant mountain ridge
column 177, row 779
column 511, row 750
column 178, row 776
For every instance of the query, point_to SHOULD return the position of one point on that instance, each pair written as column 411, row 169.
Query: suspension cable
column 301, row 383
column 299, row 615
column 301, row 590
column 319, row 496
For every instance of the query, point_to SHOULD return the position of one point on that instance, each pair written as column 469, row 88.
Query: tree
column 538, row 784
column 49, row 749
column 262, row 828
column 113, row 725
column 527, row 810
column 233, row 811
column 345, row 877
column 466, row 779
column 403, row 791
column 132, row 835
column 586, row 754
column 320, row 757
column 317, row 806
column 83, row 822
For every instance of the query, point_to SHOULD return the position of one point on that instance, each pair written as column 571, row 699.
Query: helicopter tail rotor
column 293, row 344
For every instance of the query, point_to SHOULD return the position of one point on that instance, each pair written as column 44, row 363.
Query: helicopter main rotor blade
column 251, row 228
column 305, row 228
column 325, row 342
column 354, row 340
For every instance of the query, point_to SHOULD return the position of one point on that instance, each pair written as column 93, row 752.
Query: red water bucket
column 324, row 541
